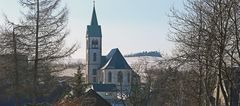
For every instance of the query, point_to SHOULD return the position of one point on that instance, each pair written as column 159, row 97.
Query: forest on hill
column 145, row 53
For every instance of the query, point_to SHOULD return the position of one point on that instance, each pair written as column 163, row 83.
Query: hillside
column 149, row 59
column 145, row 53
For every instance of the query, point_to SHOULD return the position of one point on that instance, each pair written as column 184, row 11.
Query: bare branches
column 40, row 35
column 207, row 34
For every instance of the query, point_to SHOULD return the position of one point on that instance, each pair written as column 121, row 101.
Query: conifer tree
column 78, row 85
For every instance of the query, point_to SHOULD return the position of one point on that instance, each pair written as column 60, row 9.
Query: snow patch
column 68, row 72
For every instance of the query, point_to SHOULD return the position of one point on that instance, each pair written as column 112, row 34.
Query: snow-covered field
column 150, row 60
column 131, row 60
column 68, row 72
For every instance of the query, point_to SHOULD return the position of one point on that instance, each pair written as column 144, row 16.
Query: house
column 91, row 98
column 107, row 91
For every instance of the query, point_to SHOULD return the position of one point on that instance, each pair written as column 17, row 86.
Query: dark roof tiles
column 104, row 87
column 94, row 18
column 94, row 29
column 115, row 60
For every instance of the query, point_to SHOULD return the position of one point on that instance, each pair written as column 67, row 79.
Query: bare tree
column 207, row 37
column 41, row 39
column 46, row 37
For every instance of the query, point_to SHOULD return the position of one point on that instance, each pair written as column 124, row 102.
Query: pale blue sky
column 130, row 25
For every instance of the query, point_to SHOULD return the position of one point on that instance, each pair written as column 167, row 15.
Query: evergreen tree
column 78, row 85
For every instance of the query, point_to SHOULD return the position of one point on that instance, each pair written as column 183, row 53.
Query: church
column 105, row 71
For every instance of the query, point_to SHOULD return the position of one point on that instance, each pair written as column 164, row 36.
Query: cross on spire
column 93, row 3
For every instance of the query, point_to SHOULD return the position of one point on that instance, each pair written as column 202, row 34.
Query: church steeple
column 93, row 48
column 94, row 16
column 94, row 29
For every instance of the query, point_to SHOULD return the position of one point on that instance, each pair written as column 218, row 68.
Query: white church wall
column 91, row 74
column 90, row 44
column 125, row 84
column 98, row 56
column 93, row 62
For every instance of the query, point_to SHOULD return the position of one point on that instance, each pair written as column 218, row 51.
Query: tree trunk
column 35, row 76
column 15, row 67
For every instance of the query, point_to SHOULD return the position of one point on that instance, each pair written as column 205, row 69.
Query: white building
column 105, row 70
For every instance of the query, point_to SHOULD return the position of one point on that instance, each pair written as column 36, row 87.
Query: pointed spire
column 94, row 29
column 94, row 16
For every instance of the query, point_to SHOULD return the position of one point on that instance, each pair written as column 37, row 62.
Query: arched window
column 94, row 72
column 94, row 43
column 128, row 76
column 120, row 76
column 94, row 57
column 109, row 77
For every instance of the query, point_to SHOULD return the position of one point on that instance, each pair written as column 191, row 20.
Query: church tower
column 93, row 49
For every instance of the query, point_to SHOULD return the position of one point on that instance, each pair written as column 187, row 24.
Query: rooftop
column 115, row 60
column 104, row 87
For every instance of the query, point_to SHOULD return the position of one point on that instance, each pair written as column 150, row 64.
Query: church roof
column 104, row 87
column 94, row 29
column 97, row 101
column 115, row 60
column 103, row 60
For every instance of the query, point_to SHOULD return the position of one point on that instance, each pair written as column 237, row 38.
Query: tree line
column 204, row 68
column 145, row 53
